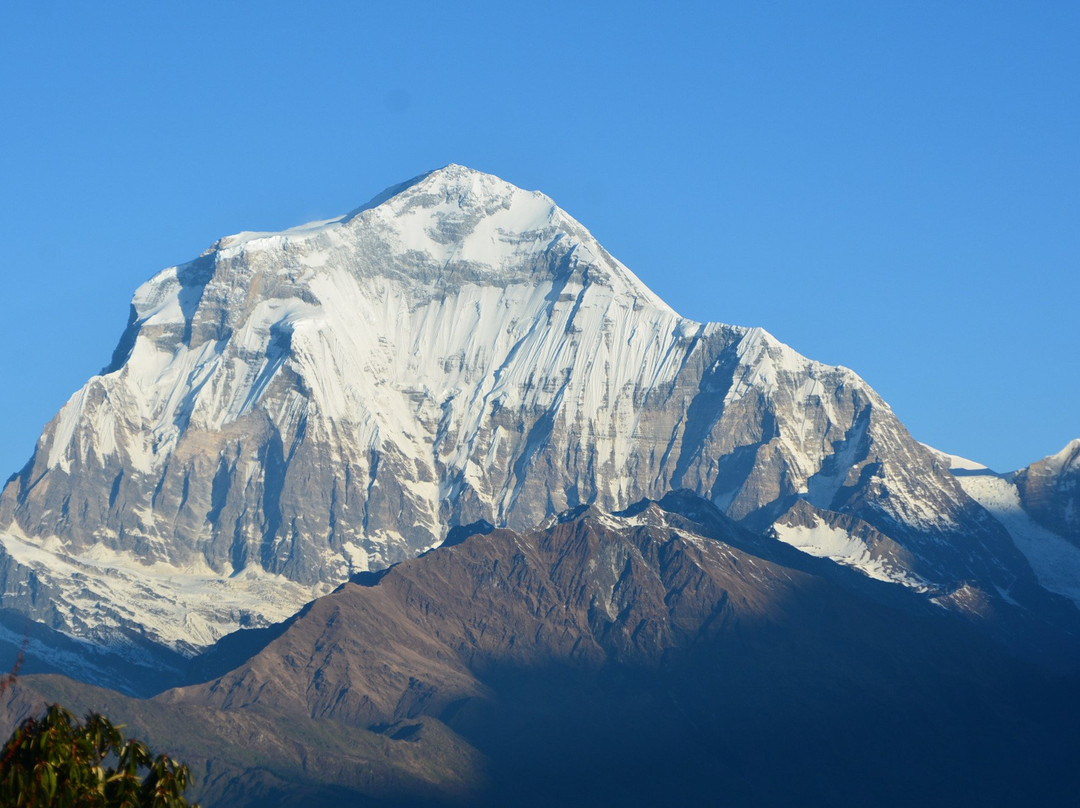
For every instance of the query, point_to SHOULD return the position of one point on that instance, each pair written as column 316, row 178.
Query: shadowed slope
column 661, row 655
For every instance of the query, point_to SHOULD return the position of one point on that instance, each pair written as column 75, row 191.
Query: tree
column 57, row 762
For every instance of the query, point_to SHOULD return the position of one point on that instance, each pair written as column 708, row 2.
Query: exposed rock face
column 1050, row 491
column 292, row 408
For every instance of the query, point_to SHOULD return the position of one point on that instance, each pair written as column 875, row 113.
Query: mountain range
column 434, row 499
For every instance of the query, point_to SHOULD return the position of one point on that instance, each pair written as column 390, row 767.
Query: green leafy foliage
column 56, row 762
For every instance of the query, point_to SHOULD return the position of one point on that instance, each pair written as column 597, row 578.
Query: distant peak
column 1067, row 456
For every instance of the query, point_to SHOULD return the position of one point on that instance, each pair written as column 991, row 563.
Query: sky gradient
column 890, row 186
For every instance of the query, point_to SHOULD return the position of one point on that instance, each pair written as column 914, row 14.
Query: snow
column 358, row 558
column 956, row 462
column 1064, row 461
column 493, row 239
column 232, row 245
column 766, row 361
column 823, row 486
column 369, row 341
column 824, row 541
column 183, row 607
column 1055, row 561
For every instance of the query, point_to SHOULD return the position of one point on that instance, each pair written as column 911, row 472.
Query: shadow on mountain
column 132, row 665
column 665, row 657
column 233, row 650
column 733, row 730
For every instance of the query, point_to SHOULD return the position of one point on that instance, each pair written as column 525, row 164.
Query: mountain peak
column 451, row 181
column 463, row 225
column 455, row 225
column 449, row 204
column 455, row 175
column 1068, row 455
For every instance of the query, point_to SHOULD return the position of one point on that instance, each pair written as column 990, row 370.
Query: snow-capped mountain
column 292, row 408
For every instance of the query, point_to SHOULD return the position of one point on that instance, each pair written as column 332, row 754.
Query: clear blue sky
column 892, row 186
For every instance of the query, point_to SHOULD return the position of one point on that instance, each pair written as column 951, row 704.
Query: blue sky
column 892, row 186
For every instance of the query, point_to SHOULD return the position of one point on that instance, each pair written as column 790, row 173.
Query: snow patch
column 824, row 541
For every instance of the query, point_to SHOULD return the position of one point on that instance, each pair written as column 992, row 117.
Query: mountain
column 657, row 655
column 1050, row 492
column 292, row 409
column 1037, row 505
